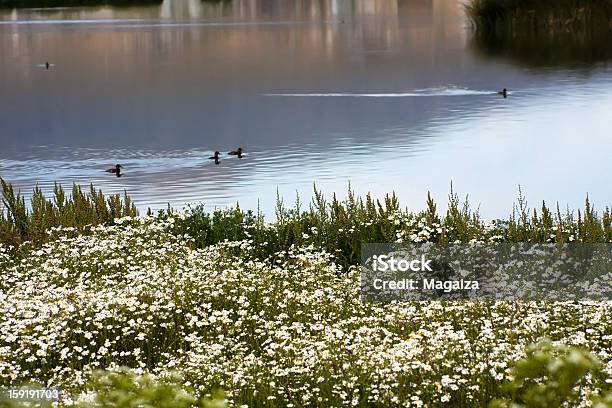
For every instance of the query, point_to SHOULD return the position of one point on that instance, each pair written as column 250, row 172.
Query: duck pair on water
column 237, row 153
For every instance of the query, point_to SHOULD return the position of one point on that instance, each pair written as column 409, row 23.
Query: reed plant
column 20, row 222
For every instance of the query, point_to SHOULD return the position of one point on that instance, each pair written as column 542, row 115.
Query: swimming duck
column 47, row 65
column 503, row 92
column 215, row 157
column 236, row 153
column 115, row 170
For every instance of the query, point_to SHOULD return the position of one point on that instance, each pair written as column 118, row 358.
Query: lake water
column 387, row 95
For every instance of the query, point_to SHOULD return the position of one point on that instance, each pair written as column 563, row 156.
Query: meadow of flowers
column 268, row 320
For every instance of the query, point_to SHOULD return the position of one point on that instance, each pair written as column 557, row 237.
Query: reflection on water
column 574, row 48
column 387, row 95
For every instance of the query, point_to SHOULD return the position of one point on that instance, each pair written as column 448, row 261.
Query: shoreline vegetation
column 540, row 15
column 338, row 226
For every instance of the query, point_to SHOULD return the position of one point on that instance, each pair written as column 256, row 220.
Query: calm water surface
column 387, row 95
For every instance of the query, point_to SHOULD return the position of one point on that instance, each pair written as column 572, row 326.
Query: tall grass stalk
column 19, row 223
column 341, row 226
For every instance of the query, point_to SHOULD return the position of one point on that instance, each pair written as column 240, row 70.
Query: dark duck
column 237, row 152
column 215, row 157
column 503, row 92
column 115, row 170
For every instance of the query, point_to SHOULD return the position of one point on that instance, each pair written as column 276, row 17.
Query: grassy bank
column 490, row 15
column 338, row 226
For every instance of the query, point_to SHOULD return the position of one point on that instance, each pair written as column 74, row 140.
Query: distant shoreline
column 495, row 15
column 12, row 4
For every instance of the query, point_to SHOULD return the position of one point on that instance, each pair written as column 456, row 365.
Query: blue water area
column 384, row 95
